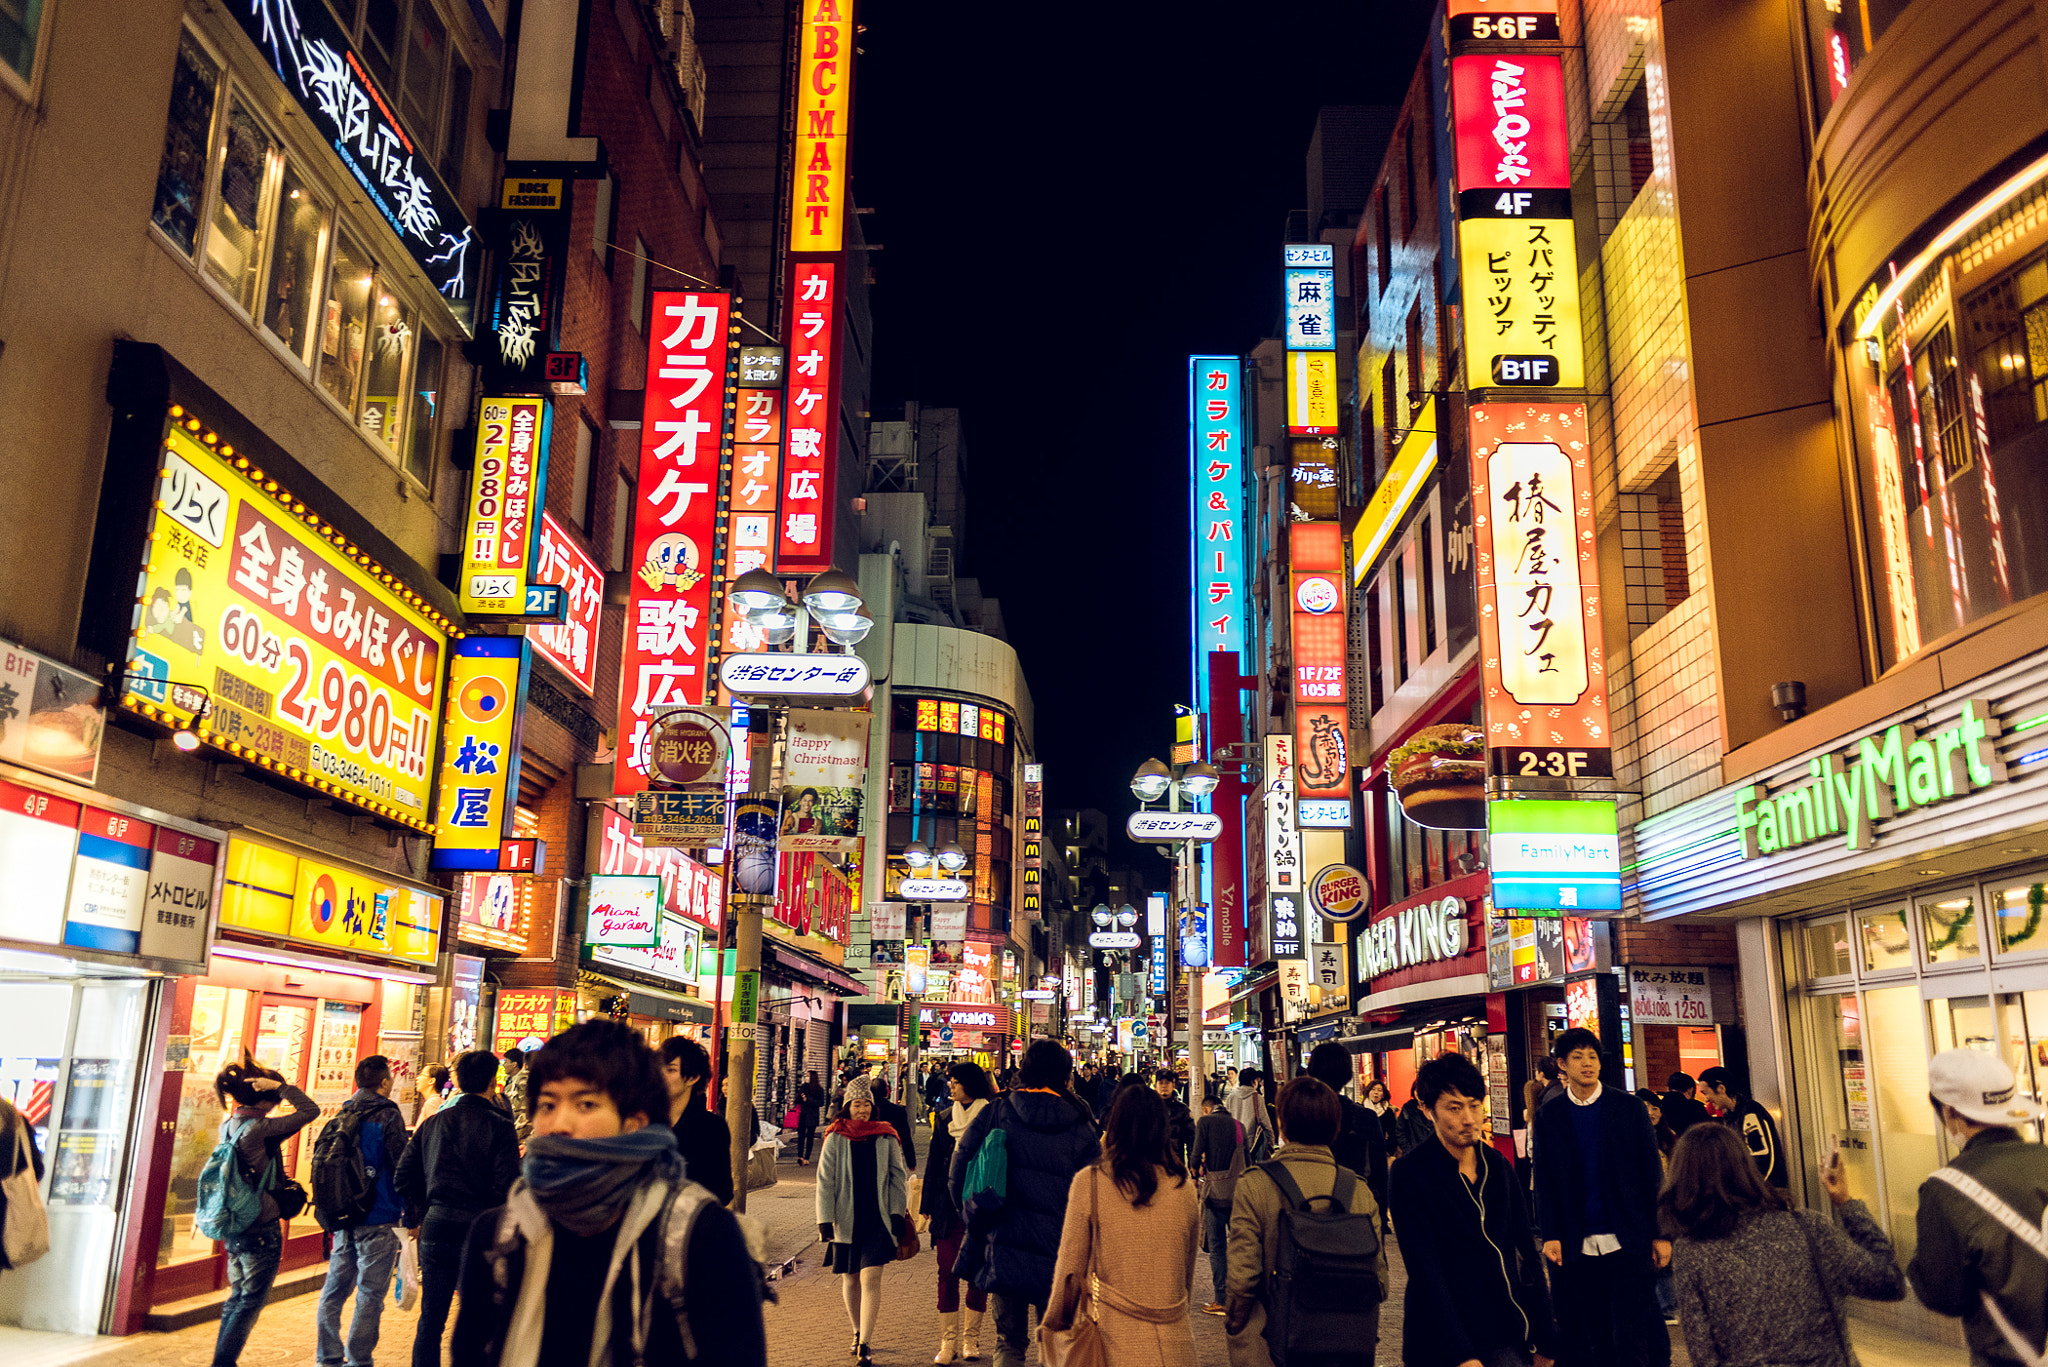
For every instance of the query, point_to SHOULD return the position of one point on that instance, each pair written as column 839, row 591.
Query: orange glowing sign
column 817, row 195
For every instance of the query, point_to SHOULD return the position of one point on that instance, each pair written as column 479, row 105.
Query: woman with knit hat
column 863, row 1199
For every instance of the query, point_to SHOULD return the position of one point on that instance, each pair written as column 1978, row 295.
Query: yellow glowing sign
column 1406, row 478
column 274, row 891
column 1311, row 392
column 316, row 663
column 1521, row 282
column 817, row 198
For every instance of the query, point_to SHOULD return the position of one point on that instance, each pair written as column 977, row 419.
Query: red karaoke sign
column 811, row 422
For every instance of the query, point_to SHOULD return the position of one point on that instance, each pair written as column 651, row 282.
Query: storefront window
column 2018, row 909
column 345, row 331
column 1827, row 949
column 385, row 400
column 1949, row 925
column 1840, row 1079
column 1887, row 939
column 217, row 1017
column 1898, row 1048
column 426, row 401
column 235, row 243
column 294, row 266
column 181, row 177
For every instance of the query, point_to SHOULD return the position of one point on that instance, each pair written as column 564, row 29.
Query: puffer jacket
column 1048, row 1138
column 1963, row 1251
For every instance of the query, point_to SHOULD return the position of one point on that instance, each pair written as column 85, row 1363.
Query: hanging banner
column 500, row 551
column 1542, row 658
column 755, row 823
column 825, row 772
column 810, row 458
column 625, row 911
column 1283, row 840
column 480, row 751
column 670, row 610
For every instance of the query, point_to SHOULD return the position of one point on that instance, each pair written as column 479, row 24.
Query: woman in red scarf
column 863, row 1196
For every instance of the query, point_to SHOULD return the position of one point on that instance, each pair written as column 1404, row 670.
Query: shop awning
column 1252, row 986
column 1379, row 1041
column 668, row 1006
column 799, row 964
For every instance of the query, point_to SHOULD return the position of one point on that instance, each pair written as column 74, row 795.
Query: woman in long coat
column 971, row 1091
column 863, row 1199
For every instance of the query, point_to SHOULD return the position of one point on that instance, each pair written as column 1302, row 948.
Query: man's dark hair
column 232, row 1083
column 515, row 1057
column 881, row 1088
column 1309, row 1112
column 1134, row 1141
column 1712, row 1184
column 973, row 1080
column 1249, row 1077
column 1046, row 1064
column 1724, row 1078
column 1447, row 1073
column 1680, row 1083
column 1330, row 1064
column 1546, row 1068
column 604, row 1054
column 689, row 1057
column 1573, row 1040
column 371, row 1072
column 476, row 1070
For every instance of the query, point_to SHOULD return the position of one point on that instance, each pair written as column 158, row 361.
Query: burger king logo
column 1316, row 593
column 1339, row 893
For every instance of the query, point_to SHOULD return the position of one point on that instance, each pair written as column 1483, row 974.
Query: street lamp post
column 1192, row 782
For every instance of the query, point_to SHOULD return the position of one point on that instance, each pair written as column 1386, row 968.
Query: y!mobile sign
column 811, row 424
column 1217, row 472
column 668, row 642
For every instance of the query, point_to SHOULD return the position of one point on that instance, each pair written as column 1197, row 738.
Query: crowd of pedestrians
column 576, row 1214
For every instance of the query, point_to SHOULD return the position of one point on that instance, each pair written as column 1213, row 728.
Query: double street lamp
column 1183, row 784
column 830, row 599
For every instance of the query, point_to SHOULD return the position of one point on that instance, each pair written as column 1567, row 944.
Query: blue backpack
column 229, row 1202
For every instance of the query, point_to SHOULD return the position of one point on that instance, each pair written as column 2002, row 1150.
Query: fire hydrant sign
column 1669, row 996
column 625, row 911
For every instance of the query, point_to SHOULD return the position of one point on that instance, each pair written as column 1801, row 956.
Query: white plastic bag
column 405, row 1287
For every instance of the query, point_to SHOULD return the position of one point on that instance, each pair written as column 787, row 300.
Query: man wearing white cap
column 1983, row 1250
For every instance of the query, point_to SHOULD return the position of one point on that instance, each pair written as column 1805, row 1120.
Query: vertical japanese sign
column 750, row 519
column 1217, row 470
column 499, row 549
column 811, row 422
column 480, row 751
column 1517, row 251
column 529, row 233
column 1322, row 763
column 1312, row 393
column 1283, row 840
column 571, row 645
column 669, row 615
column 1542, row 659
column 1225, row 881
column 824, row 86
column 1310, row 275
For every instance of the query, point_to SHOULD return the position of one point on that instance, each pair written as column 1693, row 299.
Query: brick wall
column 1694, row 943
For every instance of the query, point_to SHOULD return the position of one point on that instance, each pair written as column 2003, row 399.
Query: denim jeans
column 1216, row 1225
column 1013, row 1325
column 252, row 1267
column 440, row 1254
column 362, row 1262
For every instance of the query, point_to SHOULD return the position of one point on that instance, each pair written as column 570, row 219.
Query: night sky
column 1072, row 198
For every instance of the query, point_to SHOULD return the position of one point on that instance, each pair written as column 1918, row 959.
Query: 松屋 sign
column 669, row 610
column 480, row 752
column 1885, row 775
column 1542, row 659
column 1216, row 470
column 1669, row 996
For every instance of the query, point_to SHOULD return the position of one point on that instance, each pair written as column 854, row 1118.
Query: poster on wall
column 825, row 771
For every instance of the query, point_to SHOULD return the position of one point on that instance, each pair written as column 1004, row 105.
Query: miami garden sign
column 1885, row 775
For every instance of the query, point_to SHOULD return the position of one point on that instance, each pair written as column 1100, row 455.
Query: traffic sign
column 945, row 1034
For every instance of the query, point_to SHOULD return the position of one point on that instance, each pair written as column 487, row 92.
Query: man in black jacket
column 890, row 1113
column 1741, row 1112
column 1180, row 1122
column 1681, row 1106
column 461, row 1162
column 1475, row 1287
column 1360, row 1146
column 1597, row 1174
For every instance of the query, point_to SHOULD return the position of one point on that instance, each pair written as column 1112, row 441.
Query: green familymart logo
column 1886, row 775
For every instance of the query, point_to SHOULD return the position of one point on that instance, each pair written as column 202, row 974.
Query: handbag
column 405, row 1287
column 1070, row 1330
column 792, row 1118
column 909, row 1246
column 290, row 1197
column 25, row 1228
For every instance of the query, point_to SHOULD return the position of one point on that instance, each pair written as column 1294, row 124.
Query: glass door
column 186, row 1261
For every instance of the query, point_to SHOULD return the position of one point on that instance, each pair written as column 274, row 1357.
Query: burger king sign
column 1340, row 893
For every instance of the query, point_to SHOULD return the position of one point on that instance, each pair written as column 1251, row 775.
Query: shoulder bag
column 2029, row 1234
column 1219, row 1189
column 25, row 1227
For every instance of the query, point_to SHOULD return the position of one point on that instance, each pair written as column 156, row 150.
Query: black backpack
column 1326, row 1278
column 344, row 1188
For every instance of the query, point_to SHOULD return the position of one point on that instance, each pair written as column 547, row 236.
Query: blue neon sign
column 1217, row 468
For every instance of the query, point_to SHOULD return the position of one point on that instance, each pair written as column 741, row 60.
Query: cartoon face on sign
column 672, row 559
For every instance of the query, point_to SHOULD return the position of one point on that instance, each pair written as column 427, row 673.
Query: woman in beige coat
column 1134, row 1217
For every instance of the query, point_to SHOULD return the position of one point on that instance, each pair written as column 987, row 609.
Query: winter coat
column 1180, row 1128
column 461, row 1161
column 1475, row 1277
column 1247, row 1106
column 1254, row 1247
column 382, row 1138
column 1631, row 1171
column 263, row 1137
column 1963, row 1251
column 891, row 1114
column 705, row 1141
column 1362, row 1147
column 809, row 1098
column 1145, row 1252
column 1047, row 1139
column 1771, row 1292
column 837, row 1203
column 937, row 1200
column 1413, row 1127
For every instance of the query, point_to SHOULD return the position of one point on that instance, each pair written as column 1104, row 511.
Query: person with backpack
column 604, row 1254
column 1982, row 1256
column 1475, row 1284
column 355, row 1197
column 1307, row 1268
column 461, row 1162
column 1127, row 1246
column 1360, row 1146
column 1044, row 1135
column 1218, row 1163
column 1597, row 1177
column 237, row 1203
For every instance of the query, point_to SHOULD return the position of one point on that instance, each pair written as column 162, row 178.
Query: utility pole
column 745, row 909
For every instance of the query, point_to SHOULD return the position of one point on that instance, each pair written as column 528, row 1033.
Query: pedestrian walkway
column 807, row 1327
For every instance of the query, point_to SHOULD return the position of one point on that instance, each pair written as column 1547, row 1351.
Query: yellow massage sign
column 316, row 662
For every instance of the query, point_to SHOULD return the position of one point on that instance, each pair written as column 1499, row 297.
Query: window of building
column 622, row 521
column 636, row 307
column 1408, row 213
column 254, row 220
column 1656, row 577
column 580, row 474
column 603, row 219
column 1385, row 238
column 406, row 47
column 1418, row 383
column 21, row 40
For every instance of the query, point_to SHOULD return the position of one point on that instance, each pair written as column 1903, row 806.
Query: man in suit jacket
column 1597, row 1174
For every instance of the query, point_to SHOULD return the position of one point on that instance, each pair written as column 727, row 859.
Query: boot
column 949, row 1336
column 970, row 1336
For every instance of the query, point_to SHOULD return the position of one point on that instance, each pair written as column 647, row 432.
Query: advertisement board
column 530, row 1013
column 480, row 752
column 571, row 645
column 1312, row 394
column 810, row 453
column 318, row 664
column 275, row 891
column 1669, row 996
column 676, row 954
column 1556, row 858
column 1322, row 759
column 825, row 773
column 688, row 888
column 51, row 718
column 670, row 609
column 499, row 547
column 824, row 90
column 1283, row 840
column 495, row 910
column 625, row 911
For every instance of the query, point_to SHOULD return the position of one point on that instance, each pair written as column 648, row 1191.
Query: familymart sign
column 1884, row 775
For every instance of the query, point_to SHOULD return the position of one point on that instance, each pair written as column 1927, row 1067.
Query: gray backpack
column 1326, row 1295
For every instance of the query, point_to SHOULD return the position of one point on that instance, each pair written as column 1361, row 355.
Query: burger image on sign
column 1440, row 773
column 1316, row 593
column 1339, row 893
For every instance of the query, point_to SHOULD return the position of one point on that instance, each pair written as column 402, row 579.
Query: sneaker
column 1212, row 1308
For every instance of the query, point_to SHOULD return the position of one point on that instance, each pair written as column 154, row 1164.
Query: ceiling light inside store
column 1927, row 873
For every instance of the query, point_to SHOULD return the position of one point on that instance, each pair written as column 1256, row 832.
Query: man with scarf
column 604, row 1255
